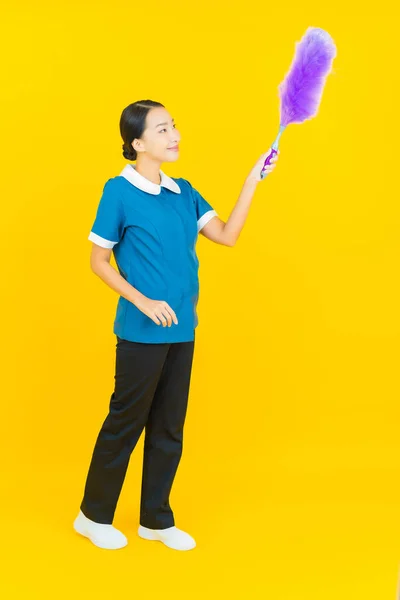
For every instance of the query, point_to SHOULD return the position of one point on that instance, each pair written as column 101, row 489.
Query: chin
column 173, row 158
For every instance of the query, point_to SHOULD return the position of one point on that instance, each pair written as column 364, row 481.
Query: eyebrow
column 173, row 120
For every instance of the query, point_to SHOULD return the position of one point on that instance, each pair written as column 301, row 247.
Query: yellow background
column 289, row 480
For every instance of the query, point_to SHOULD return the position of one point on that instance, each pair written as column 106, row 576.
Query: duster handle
column 274, row 150
column 268, row 162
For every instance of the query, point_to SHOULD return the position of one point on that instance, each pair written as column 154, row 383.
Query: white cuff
column 100, row 241
column 205, row 218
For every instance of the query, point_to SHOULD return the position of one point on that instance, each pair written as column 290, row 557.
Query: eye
column 161, row 130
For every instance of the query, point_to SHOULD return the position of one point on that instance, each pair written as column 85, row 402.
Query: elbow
column 226, row 239
column 97, row 266
column 98, row 257
column 93, row 264
column 94, row 268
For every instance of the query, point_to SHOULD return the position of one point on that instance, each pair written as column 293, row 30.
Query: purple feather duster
column 302, row 88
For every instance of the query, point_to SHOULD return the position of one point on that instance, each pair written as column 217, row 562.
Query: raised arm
column 228, row 233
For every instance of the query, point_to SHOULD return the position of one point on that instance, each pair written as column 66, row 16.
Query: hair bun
column 129, row 154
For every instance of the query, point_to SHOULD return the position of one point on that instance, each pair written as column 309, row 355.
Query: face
column 159, row 137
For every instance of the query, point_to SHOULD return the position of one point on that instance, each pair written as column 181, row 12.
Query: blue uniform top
column 152, row 229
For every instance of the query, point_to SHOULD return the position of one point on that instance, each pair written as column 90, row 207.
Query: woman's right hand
column 159, row 311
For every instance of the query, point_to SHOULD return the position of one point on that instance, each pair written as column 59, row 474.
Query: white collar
column 130, row 173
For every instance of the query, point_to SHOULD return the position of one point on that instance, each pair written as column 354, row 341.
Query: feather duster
column 301, row 90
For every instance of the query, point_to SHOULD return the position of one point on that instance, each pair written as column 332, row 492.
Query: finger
column 166, row 311
column 168, row 318
column 172, row 313
column 162, row 318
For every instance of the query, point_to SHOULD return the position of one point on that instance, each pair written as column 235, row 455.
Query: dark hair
column 132, row 124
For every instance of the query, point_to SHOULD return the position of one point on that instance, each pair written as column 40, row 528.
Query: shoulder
column 185, row 186
column 114, row 184
column 117, row 187
column 112, row 194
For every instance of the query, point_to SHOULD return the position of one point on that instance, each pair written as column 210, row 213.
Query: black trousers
column 151, row 392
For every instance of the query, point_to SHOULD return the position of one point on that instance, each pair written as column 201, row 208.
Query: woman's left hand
column 255, row 173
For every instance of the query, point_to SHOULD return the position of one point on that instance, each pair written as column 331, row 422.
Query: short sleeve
column 204, row 210
column 108, row 227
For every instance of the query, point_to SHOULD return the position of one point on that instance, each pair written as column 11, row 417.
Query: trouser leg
column 164, row 436
column 137, row 370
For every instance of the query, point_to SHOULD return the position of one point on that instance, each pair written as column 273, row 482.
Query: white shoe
column 101, row 534
column 172, row 537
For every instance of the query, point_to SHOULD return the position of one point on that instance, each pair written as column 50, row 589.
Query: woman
column 151, row 223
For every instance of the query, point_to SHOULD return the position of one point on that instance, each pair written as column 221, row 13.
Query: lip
column 175, row 148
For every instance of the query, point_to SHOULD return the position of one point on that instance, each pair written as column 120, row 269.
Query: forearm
column 238, row 216
column 116, row 282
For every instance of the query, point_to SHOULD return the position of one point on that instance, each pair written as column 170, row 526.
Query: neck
column 148, row 168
